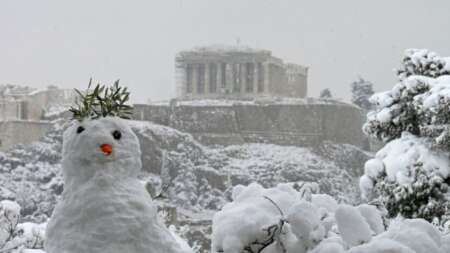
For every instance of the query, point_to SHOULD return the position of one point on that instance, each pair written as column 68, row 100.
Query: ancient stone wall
column 10, row 109
column 21, row 132
column 40, row 101
column 284, row 124
column 32, row 106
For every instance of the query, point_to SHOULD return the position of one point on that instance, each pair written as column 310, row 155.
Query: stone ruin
column 24, row 110
column 237, row 72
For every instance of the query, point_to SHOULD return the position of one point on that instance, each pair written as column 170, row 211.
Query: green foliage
column 423, row 198
column 102, row 101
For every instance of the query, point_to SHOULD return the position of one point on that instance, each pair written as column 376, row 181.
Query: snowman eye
column 80, row 129
column 117, row 135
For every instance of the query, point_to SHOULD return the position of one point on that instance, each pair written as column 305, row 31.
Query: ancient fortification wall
column 284, row 124
column 21, row 132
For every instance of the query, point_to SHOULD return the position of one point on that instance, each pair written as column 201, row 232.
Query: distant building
column 19, row 103
column 23, row 112
column 237, row 72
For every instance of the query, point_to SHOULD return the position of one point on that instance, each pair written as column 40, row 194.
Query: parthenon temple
column 237, row 72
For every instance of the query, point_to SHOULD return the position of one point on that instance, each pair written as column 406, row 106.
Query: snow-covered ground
column 303, row 199
column 195, row 179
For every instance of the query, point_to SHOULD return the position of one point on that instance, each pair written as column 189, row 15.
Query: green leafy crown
column 102, row 101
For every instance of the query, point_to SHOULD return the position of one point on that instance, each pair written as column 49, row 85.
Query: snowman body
column 104, row 207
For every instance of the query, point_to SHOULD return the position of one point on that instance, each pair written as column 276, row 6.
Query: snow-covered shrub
column 411, row 173
column 9, row 218
column 278, row 220
column 353, row 227
column 253, row 220
column 406, row 236
column 18, row 237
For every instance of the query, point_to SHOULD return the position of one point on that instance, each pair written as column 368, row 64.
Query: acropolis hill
column 235, row 95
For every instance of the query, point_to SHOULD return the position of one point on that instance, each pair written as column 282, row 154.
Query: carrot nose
column 106, row 149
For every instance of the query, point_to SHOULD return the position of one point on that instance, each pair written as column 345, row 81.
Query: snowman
column 104, row 208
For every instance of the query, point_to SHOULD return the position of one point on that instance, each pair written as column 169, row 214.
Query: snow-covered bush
column 9, row 218
column 362, row 90
column 18, row 237
column 30, row 175
column 406, row 236
column 411, row 173
column 279, row 220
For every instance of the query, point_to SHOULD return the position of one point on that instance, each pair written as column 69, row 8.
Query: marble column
column 181, row 75
column 194, row 78
column 207, row 81
column 266, row 67
column 187, row 79
column 229, row 77
column 219, row 87
column 255, row 77
column 243, row 77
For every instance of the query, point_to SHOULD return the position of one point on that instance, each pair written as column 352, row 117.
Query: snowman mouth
column 107, row 149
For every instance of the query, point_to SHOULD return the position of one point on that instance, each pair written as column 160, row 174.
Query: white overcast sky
column 64, row 43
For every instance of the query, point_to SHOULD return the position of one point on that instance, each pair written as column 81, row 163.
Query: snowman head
column 106, row 145
column 100, row 141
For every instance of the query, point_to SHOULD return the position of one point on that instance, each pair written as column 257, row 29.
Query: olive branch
column 102, row 101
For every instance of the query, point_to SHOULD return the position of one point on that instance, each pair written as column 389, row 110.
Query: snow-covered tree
column 424, row 63
column 326, row 93
column 412, row 172
column 362, row 90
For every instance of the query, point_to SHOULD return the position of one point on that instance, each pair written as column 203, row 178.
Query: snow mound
column 253, row 210
column 352, row 226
